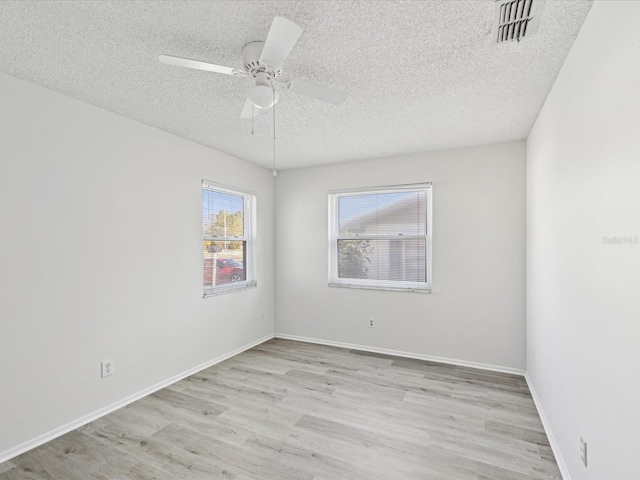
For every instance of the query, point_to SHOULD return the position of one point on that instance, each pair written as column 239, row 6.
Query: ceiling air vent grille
column 515, row 20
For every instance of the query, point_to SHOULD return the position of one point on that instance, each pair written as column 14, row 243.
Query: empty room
column 320, row 240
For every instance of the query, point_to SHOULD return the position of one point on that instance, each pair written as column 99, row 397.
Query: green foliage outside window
column 353, row 258
column 226, row 224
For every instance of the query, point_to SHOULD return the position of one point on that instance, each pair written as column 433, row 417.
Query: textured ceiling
column 421, row 75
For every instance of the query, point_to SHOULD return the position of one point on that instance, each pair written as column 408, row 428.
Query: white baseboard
column 398, row 353
column 547, row 428
column 28, row 445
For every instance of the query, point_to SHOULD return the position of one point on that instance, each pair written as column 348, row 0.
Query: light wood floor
column 291, row 410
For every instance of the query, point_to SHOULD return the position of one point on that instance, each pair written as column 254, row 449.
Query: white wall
column 476, row 311
column 583, row 296
column 100, row 257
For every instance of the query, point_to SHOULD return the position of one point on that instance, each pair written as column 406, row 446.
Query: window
column 381, row 238
column 228, row 231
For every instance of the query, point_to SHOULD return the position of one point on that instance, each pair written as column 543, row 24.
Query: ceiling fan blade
column 325, row 94
column 209, row 67
column 283, row 35
column 249, row 111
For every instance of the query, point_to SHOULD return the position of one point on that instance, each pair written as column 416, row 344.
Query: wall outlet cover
column 107, row 368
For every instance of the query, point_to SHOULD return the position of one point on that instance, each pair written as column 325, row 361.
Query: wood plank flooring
column 291, row 410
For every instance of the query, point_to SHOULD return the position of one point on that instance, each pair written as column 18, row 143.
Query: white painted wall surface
column 583, row 295
column 476, row 311
column 100, row 257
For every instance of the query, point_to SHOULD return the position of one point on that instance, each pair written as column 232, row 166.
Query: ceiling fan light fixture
column 262, row 96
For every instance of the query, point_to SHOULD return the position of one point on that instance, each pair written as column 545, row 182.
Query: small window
column 228, row 218
column 381, row 238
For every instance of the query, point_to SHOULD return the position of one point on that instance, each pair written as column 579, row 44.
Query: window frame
column 249, row 240
column 335, row 237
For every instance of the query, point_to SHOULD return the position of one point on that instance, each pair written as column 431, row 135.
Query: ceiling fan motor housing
column 251, row 60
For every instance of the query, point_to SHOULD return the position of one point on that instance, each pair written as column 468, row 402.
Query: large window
column 381, row 238
column 228, row 218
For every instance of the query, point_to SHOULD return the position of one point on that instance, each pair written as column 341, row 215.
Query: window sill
column 371, row 287
column 234, row 287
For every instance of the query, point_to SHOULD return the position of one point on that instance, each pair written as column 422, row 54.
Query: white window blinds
column 381, row 238
column 227, row 221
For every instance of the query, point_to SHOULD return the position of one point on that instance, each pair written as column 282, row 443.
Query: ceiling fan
column 263, row 61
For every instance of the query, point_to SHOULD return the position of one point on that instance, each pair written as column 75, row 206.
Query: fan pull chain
column 274, row 173
column 253, row 114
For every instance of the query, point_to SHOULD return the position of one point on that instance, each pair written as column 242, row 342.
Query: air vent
column 515, row 19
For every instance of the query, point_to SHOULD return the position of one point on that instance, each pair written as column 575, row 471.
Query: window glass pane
column 398, row 213
column 229, row 259
column 222, row 214
column 384, row 260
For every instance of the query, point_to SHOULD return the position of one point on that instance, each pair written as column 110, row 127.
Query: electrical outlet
column 371, row 323
column 262, row 316
column 583, row 451
column 107, row 368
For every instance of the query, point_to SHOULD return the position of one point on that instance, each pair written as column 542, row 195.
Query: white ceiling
column 422, row 75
